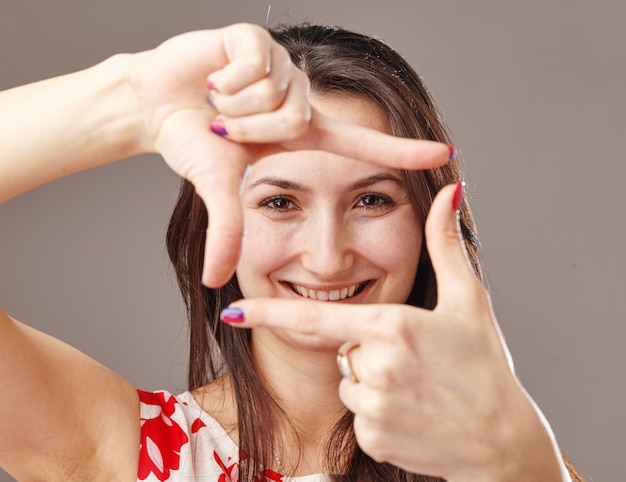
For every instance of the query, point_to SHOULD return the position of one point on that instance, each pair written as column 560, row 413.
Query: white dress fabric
column 181, row 442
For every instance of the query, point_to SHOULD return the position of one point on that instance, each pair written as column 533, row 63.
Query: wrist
column 120, row 122
column 532, row 451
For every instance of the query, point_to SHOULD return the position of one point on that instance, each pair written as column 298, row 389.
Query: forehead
column 352, row 109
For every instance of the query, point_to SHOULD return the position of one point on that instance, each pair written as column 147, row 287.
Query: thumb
column 456, row 280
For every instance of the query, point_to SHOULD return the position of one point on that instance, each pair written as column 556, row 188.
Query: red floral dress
column 181, row 442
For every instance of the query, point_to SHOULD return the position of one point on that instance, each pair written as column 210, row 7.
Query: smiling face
column 326, row 227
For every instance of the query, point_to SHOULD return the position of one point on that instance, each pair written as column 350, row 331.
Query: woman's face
column 326, row 227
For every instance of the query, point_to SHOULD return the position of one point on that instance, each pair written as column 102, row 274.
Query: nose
column 327, row 246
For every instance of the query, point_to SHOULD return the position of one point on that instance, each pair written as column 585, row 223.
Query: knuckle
column 229, row 234
column 269, row 95
column 401, row 328
column 375, row 406
column 293, row 121
column 389, row 324
column 383, row 375
column 372, row 440
column 257, row 65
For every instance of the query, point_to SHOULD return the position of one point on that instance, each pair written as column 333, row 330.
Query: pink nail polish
column 458, row 196
column 218, row 127
column 210, row 85
column 232, row 315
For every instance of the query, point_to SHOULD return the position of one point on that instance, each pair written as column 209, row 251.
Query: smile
column 332, row 295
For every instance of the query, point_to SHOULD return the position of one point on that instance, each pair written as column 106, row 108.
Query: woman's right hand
column 259, row 105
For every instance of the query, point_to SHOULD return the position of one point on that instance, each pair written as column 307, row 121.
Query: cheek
column 396, row 248
column 264, row 250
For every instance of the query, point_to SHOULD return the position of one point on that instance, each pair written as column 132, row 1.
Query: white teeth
column 320, row 295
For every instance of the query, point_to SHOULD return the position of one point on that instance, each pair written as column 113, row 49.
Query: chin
column 312, row 343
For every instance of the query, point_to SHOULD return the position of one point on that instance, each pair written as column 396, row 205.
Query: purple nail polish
column 209, row 99
column 232, row 314
column 452, row 151
column 218, row 127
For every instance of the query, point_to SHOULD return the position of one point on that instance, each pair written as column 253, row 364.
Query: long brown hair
column 339, row 62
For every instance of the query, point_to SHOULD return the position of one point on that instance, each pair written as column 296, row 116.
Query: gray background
column 533, row 92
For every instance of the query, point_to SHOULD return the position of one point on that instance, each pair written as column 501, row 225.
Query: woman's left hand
column 436, row 391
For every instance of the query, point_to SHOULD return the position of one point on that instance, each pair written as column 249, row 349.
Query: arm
column 61, row 126
column 156, row 101
column 67, row 417
column 63, row 412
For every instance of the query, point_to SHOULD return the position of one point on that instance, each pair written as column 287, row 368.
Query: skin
column 448, row 365
column 437, row 393
column 72, row 409
column 307, row 226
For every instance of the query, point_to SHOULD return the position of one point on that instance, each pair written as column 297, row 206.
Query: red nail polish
column 218, row 127
column 458, row 196
column 452, row 151
column 232, row 315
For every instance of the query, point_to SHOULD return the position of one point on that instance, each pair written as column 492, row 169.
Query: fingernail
column 452, row 151
column 218, row 127
column 232, row 315
column 458, row 196
column 209, row 99
column 210, row 85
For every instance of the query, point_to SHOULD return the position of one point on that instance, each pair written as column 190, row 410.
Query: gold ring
column 345, row 365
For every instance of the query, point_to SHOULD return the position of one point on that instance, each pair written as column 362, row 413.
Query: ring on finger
column 345, row 365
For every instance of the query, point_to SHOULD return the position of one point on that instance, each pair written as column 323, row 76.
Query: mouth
column 331, row 295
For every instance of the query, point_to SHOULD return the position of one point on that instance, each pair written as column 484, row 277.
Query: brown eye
column 278, row 205
column 374, row 201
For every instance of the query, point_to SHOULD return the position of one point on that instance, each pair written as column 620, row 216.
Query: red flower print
column 231, row 472
column 161, row 437
column 268, row 475
column 197, row 425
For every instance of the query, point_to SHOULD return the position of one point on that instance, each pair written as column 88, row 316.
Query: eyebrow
column 278, row 182
column 294, row 186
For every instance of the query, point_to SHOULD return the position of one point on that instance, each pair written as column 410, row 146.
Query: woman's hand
column 436, row 392
column 246, row 77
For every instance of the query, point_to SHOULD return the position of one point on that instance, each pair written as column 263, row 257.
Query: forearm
column 60, row 126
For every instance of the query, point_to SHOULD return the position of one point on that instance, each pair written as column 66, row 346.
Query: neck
column 304, row 381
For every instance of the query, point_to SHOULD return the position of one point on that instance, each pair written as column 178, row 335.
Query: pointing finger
column 328, row 320
column 368, row 145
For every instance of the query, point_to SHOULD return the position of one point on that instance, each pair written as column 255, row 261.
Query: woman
column 78, row 421
column 329, row 228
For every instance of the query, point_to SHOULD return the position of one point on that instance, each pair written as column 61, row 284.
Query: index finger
column 377, row 147
column 332, row 321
